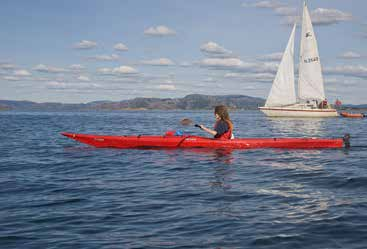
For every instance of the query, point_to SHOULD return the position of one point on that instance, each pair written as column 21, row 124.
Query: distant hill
column 364, row 106
column 189, row 102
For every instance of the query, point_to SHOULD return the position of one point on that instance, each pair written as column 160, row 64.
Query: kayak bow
column 187, row 141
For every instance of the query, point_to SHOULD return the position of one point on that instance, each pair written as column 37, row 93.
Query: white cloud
column 167, row 87
column 159, row 31
column 77, row 67
column 254, row 77
column 7, row 66
column 319, row 16
column 272, row 56
column 235, row 64
column 213, row 49
column 56, row 85
column 267, row 4
column 224, row 63
column 113, row 57
column 72, row 87
column 358, row 71
column 41, row 79
column 235, row 75
column 277, row 7
column 331, row 80
column 104, row 70
column 210, row 80
column 350, row 55
column 11, row 78
column 286, row 11
column 124, row 70
column 85, row 44
column 49, row 69
column 22, row 73
column 83, row 78
column 159, row 62
column 267, row 67
column 120, row 47
column 185, row 64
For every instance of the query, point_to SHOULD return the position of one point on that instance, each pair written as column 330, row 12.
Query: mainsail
column 282, row 91
column 282, row 100
column 310, row 82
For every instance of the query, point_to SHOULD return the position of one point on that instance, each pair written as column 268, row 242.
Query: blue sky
column 79, row 51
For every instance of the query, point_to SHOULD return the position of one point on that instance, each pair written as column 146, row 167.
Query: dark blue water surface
column 57, row 193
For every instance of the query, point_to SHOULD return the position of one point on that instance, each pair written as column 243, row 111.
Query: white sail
column 310, row 82
column 283, row 91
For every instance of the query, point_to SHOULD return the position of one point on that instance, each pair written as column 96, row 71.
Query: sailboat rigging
column 310, row 100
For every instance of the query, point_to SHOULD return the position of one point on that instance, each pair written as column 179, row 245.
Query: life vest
column 226, row 135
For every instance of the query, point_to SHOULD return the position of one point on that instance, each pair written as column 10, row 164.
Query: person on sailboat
column 323, row 104
column 338, row 103
column 223, row 127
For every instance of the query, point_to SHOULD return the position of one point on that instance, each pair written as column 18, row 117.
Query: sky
column 75, row 51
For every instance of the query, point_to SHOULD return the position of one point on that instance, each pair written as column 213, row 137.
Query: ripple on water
column 56, row 193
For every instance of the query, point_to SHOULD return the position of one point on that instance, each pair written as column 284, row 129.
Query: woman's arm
column 213, row 132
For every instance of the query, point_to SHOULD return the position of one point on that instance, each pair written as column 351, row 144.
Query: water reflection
column 221, row 178
column 222, row 155
column 293, row 159
column 296, row 201
column 298, row 127
column 224, row 196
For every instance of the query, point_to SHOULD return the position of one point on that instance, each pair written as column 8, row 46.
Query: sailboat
column 310, row 100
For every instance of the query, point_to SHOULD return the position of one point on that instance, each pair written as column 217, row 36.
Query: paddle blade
column 186, row 121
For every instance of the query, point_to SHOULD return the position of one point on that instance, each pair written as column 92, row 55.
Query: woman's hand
column 207, row 130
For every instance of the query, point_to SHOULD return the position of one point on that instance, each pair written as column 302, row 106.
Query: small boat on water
column 352, row 115
column 310, row 100
column 170, row 141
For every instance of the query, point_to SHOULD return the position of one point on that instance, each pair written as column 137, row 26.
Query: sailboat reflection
column 298, row 127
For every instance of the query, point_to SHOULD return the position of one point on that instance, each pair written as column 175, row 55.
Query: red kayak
column 352, row 115
column 187, row 141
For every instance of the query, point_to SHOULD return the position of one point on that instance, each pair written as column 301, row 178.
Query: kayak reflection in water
column 223, row 127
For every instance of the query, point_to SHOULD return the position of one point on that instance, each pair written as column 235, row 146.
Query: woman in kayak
column 223, row 127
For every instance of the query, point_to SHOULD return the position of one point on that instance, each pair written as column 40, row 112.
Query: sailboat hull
column 298, row 112
column 281, row 100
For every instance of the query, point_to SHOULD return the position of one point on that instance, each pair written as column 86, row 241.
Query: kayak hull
column 186, row 141
column 352, row 115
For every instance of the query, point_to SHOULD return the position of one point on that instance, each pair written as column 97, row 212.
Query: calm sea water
column 56, row 193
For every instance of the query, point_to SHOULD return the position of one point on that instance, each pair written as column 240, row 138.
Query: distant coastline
column 189, row 102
